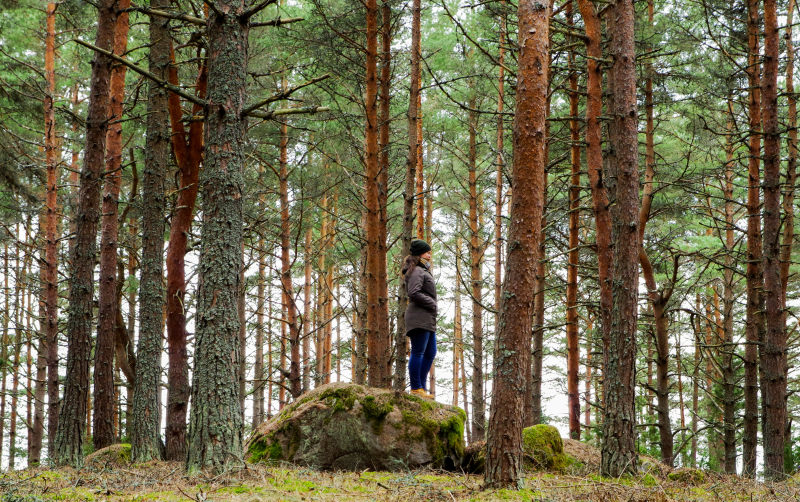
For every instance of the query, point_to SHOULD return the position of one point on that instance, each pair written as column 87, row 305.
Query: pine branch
column 172, row 88
column 283, row 94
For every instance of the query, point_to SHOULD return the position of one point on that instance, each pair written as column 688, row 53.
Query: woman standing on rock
column 420, row 315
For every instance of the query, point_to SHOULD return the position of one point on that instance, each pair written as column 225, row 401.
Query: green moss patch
column 543, row 448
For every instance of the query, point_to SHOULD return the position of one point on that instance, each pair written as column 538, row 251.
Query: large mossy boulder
column 351, row 427
column 543, row 449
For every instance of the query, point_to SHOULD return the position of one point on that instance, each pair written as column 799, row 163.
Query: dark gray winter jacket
column 421, row 311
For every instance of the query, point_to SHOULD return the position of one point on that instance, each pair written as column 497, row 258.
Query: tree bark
column 409, row 195
column 383, row 194
column 47, row 359
column 754, row 328
column 476, row 280
column 68, row 444
column 573, row 356
column 512, row 355
column 379, row 372
column 594, row 162
column 146, row 416
column 215, row 427
column 103, row 424
column 619, row 432
column 773, row 353
column 188, row 155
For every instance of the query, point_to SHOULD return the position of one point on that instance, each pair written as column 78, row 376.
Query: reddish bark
column 378, row 348
column 504, row 439
column 754, row 329
column 68, row 447
column 104, row 403
column 188, row 153
column 408, row 192
column 773, row 350
column 791, row 162
column 573, row 356
column 594, row 161
column 48, row 347
column 383, row 191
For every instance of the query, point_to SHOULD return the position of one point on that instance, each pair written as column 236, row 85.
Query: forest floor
column 167, row 481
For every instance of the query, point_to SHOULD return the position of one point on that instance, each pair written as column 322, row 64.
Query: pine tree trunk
column 754, row 328
column 307, row 309
column 408, row 196
column 533, row 373
column 379, row 361
column 68, row 443
column 258, row 367
column 498, row 208
column 729, row 398
column 146, row 416
column 512, row 354
column 215, row 428
column 188, row 155
column 619, row 433
column 48, row 270
column 594, row 162
column 476, row 281
column 103, row 426
column 5, row 346
column 791, row 162
column 773, row 350
column 383, row 194
column 573, row 355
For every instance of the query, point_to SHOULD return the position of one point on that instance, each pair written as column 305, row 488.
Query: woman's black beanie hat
column 419, row 247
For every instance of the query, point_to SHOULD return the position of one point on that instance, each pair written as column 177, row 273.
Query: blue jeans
column 423, row 350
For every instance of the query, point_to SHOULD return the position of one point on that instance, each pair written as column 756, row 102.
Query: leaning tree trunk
column 215, row 428
column 68, row 447
column 773, row 350
column 145, row 430
column 104, row 403
column 619, row 433
column 754, row 327
column 504, row 439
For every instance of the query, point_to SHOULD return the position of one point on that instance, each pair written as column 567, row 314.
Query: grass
column 167, row 481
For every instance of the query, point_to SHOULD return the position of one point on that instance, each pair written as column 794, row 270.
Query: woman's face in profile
column 427, row 255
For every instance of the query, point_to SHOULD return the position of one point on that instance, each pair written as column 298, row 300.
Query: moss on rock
column 543, row 449
column 688, row 476
column 343, row 426
column 116, row 454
